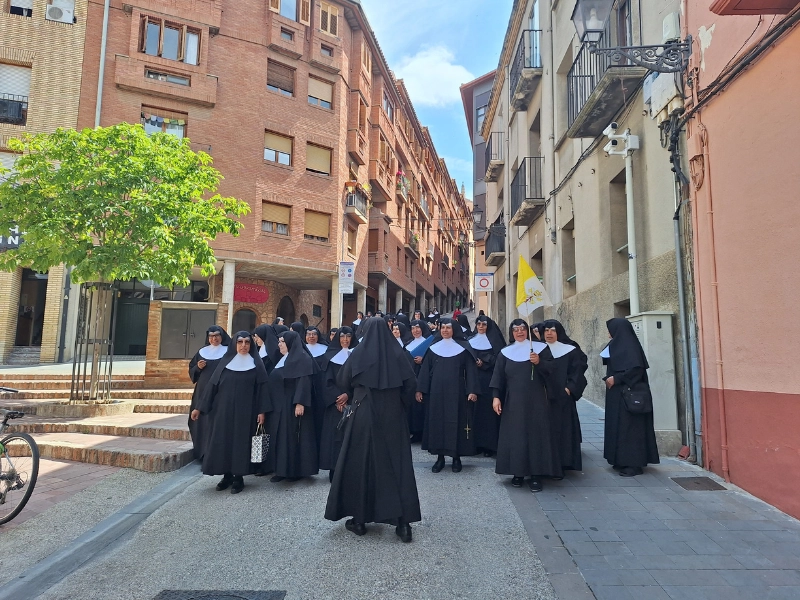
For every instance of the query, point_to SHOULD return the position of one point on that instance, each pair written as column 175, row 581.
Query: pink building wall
column 744, row 153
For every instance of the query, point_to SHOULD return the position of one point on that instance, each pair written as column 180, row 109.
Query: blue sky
column 434, row 46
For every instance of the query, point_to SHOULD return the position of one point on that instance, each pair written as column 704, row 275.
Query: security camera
column 610, row 146
column 611, row 129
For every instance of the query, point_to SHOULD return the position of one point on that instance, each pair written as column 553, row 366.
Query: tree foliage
column 114, row 203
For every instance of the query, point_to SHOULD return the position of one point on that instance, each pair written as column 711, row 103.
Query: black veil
column 378, row 361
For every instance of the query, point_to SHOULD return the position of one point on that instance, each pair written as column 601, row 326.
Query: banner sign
column 484, row 282
column 347, row 275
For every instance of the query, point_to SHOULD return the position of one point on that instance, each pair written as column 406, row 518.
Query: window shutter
column 318, row 159
column 280, row 76
column 333, row 23
column 324, row 17
column 320, row 89
column 276, row 213
column 305, row 12
column 317, row 224
column 182, row 43
column 143, row 35
column 275, row 5
column 278, row 143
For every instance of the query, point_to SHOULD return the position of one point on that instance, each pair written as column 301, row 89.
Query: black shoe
column 224, row 483
column 293, row 479
column 535, row 484
column 630, row 471
column 238, row 485
column 616, row 467
column 357, row 528
column 456, row 464
column 276, row 479
column 517, row 481
column 403, row 531
column 330, row 476
column 438, row 465
column 262, row 473
column 416, row 438
column 489, row 454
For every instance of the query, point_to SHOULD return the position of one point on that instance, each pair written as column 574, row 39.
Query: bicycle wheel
column 19, row 468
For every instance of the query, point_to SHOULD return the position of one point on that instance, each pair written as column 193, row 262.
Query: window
column 168, row 77
column 156, row 120
column 170, row 40
column 320, row 93
column 372, row 240
column 480, row 115
column 280, row 78
column 326, row 50
column 352, row 238
column 366, row 57
column 317, row 226
column 287, row 35
column 480, row 161
column 290, row 9
column 388, row 107
column 624, row 24
column 23, row 8
column 329, row 19
column 362, row 116
column 318, row 160
column 277, row 148
column 15, row 85
column 275, row 218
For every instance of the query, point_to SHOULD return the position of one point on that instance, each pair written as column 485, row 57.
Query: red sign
column 250, row 292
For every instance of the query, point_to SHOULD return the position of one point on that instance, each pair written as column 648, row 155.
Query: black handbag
column 638, row 400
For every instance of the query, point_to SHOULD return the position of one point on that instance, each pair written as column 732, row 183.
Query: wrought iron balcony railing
column 495, row 156
column 527, row 56
column 527, row 191
column 13, row 109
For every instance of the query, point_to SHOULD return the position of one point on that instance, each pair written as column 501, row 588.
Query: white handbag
column 259, row 446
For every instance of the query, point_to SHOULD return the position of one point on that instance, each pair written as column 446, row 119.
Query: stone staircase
column 23, row 356
column 141, row 428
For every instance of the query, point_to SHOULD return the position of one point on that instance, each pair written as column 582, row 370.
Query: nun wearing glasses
column 201, row 368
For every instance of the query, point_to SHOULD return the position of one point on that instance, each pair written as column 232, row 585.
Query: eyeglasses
column 519, row 328
column 215, row 335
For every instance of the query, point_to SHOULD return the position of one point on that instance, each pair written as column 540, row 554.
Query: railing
column 495, row 242
column 585, row 74
column 359, row 201
column 430, row 250
column 13, row 109
column 494, row 147
column 527, row 56
column 527, row 183
column 424, row 204
column 402, row 186
column 446, row 260
column 412, row 240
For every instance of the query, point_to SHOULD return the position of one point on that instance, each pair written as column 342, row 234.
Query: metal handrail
column 13, row 109
column 494, row 147
column 495, row 242
column 527, row 183
column 527, row 55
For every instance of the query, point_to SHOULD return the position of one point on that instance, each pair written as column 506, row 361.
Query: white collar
column 605, row 352
column 262, row 351
column 241, row 363
column 521, row 351
column 357, row 322
column 341, row 356
column 213, row 352
column 480, row 342
column 559, row 349
column 415, row 342
column 447, row 348
column 281, row 362
column 400, row 340
column 317, row 349
column 464, row 329
column 361, row 339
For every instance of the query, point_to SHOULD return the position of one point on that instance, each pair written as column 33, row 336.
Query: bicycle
column 19, row 466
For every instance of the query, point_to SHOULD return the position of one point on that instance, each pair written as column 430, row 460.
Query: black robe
column 447, row 383
column 630, row 439
column 330, row 437
column 567, row 371
column 232, row 407
column 526, row 445
column 487, row 422
column 293, row 442
column 200, row 378
column 374, row 477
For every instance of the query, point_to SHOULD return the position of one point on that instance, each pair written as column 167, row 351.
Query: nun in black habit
column 563, row 365
column 416, row 348
column 267, row 341
column 449, row 377
column 463, row 320
column 526, row 447
column 374, row 478
column 234, row 402
column 334, row 398
column 317, row 346
column 293, row 453
column 487, row 343
column 630, row 439
column 201, row 368
column 402, row 334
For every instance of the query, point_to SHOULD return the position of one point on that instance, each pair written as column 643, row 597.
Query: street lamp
column 590, row 18
column 477, row 216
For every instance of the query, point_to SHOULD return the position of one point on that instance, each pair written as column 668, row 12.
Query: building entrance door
column 30, row 318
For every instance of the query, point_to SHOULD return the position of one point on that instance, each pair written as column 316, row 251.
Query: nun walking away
column 234, row 402
column 421, row 338
column 564, row 366
column 449, row 377
column 487, row 343
column 334, row 399
column 526, row 447
column 201, row 368
column 630, row 439
column 293, row 454
column 374, row 478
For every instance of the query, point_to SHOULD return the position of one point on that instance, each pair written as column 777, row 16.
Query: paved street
column 594, row 534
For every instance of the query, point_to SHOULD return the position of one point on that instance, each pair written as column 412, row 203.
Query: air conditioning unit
column 61, row 11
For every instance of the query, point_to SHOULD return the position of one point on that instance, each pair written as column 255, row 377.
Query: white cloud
column 432, row 78
column 458, row 165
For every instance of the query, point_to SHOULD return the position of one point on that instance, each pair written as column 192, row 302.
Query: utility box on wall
column 654, row 330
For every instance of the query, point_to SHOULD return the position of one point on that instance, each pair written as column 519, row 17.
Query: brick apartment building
column 298, row 108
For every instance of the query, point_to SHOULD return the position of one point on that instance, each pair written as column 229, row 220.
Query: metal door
column 130, row 337
column 199, row 322
column 174, row 325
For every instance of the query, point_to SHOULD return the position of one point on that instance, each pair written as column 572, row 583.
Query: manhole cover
column 220, row 595
column 698, row 484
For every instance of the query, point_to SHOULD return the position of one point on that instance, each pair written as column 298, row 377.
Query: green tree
column 115, row 203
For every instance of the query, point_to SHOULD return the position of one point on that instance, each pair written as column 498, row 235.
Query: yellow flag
column 530, row 291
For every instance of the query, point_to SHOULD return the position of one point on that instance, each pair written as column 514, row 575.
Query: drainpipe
column 633, row 261
column 103, row 42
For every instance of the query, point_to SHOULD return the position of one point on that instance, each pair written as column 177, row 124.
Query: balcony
column 13, row 109
column 430, row 250
column 412, row 243
column 402, row 187
column 357, row 146
column 495, row 247
column 425, row 208
column 527, row 194
column 495, row 156
column 356, row 207
column 446, row 260
column 526, row 70
column 382, row 180
column 598, row 88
